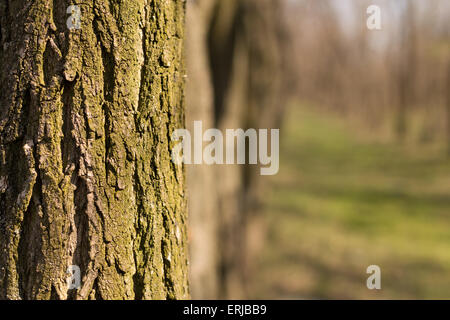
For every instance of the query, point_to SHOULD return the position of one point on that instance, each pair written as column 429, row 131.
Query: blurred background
column 364, row 118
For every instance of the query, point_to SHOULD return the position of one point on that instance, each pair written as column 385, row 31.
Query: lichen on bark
column 85, row 171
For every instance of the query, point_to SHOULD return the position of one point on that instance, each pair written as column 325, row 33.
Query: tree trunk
column 234, row 81
column 245, row 52
column 266, row 98
column 407, row 72
column 85, row 172
column 448, row 105
column 201, row 179
column 229, row 66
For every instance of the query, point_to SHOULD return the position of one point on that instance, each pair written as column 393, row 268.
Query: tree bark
column 85, row 172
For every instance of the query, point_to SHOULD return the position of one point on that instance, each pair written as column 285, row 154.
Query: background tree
column 202, row 182
column 85, row 171
column 448, row 106
column 232, row 48
column 406, row 68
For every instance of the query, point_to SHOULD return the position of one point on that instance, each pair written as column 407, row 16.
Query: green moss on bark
column 85, row 130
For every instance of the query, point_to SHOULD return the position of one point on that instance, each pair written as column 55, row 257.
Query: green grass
column 343, row 201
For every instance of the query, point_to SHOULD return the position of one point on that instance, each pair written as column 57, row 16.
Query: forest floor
column 343, row 201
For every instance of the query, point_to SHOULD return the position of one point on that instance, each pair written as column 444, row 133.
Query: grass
column 343, row 201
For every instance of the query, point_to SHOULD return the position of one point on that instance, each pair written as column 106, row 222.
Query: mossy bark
column 85, row 171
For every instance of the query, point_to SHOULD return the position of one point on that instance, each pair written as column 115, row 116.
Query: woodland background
column 365, row 148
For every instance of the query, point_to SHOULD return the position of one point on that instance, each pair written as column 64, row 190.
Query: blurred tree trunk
column 246, row 54
column 448, row 105
column 86, row 176
column 214, row 192
column 241, row 58
column 229, row 69
column 268, row 67
column 201, row 180
column 407, row 69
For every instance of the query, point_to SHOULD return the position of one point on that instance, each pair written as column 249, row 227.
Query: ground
column 343, row 201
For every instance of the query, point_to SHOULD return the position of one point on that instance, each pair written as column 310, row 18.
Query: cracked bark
column 85, row 171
